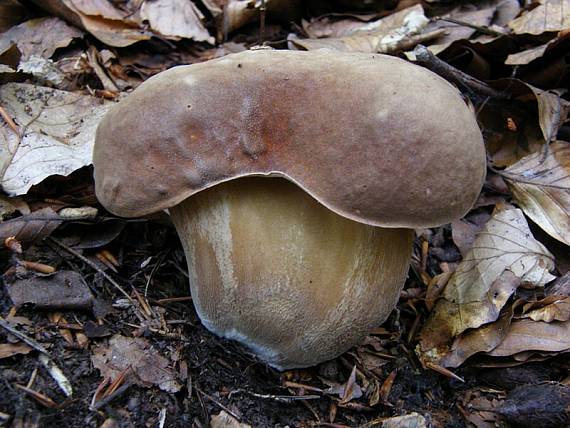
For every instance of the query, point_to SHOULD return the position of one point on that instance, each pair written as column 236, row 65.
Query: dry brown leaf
column 150, row 367
column 57, row 134
column 540, row 184
column 528, row 335
column 238, row 13
column 482, row 339
column 8, row 350
column 504, row 255
column 340, row 25
column 31, row 227
column 557, row 309
column 512, row 128
column 551, row 15
column 225, row 420
column 176, row 19
column 388, row 34
column 40, row 37
column 63, row 290
column 11, row 13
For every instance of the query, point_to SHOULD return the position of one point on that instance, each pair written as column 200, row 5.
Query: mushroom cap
column 372, row 137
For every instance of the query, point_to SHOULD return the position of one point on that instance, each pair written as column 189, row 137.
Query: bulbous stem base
column 277, row 271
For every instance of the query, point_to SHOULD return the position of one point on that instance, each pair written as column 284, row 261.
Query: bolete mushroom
column 295, row 180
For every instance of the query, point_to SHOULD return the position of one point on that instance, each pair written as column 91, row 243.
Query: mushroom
column 294, row 180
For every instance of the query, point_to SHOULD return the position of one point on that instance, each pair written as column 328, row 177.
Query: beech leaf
column 540, row 184
column 504, row 255
column 55, row 136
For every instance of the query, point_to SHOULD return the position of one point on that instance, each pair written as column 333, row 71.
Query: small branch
column 452, row 74
column 31, row 342
column 481, row 29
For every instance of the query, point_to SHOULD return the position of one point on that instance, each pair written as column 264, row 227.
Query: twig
column 31, row 342
column 220, row 405
column 279, row 398
column 480, row 28
column 108, row 399
column 452, row 74
column 444, row 371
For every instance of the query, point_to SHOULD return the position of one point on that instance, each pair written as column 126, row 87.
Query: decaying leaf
column 386, row 35
column 551, row 15
column 528, row 335
column 8, row 350
column 485, row 338
column 63, row 290
column 511, row 127
column 176, row 19
column 540, row 184
column 56, row 134
column 238, row 13
column 503, row 256
column 40, row 37
column 225, row 420
column 30, row 227
column 551, row 308
column 150, row 367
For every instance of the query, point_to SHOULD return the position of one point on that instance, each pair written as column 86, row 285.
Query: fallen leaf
column 8, row 350
column 57, row 132
column 11, row 13
column 150, row 367
column 62, row 290
column 40, row 37
column 176, row 19
column 413, row 420
column 507, row 145
column 551, row 308
column 225, row 420
column 540, row 184
column 482, row 339
column 30, row 227
column 387, row 35
column 340, row 25
column 504, row 255
column 528, row 335
column 237, row 13
column 551, row 15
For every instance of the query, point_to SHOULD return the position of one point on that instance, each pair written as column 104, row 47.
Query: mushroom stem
column 277, row 271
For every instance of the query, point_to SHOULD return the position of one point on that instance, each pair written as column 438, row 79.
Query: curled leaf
column 504, row 255
column 540, row 184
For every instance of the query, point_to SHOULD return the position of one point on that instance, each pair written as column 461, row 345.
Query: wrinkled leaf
column 225, row 420
column 57, row 132
column 540, row 184
column 528, row 335
column 8, row 350
column 396, row 31
column 551, row 15
column 150, row 367
column 552, row 308
column 39, row 37
column 30, row 227
column 503, row 256
column 176, row 18
column 485, row 338
column 62, row 290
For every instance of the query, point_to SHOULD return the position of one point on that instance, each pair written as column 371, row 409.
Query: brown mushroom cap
column 373, row 138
